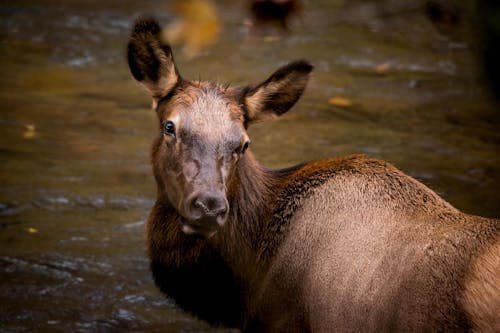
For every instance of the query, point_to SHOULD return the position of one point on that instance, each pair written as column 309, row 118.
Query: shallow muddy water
column 75, row 181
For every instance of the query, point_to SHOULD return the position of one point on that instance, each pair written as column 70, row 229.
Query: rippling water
column 75, row 180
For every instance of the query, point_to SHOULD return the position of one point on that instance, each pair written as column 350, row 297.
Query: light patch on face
column 210, row 116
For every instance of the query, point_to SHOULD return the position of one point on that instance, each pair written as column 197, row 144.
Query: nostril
column 206, row 205
column 199, row 205
column 196, row 209
column 219, row 212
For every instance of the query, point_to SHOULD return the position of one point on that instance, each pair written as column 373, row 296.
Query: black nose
column 207, row 208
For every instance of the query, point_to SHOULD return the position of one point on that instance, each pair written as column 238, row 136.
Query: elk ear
column 278, row 93
column 150, row 59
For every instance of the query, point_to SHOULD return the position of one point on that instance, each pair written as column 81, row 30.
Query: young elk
column 349, row 244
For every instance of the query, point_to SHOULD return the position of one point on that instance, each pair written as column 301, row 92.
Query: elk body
column 349, row 244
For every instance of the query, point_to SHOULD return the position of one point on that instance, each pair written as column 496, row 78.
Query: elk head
column 203, row 136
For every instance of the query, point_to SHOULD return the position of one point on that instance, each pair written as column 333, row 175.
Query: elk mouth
column 205, row 227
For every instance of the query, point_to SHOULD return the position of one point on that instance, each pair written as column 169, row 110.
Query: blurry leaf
column 197, row 27
column 340, row 101
column 30, row 131
column 32, row 230
column 271, row 39
column 81, row 147
column 382, row 68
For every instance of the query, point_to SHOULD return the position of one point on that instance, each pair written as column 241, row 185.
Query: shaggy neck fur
column 226, row 268
column 252, row 195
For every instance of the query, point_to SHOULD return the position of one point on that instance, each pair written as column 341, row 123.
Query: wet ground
column 75, row 180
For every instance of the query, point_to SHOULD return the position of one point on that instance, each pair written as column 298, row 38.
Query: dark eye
column 245, row 147
column 169, row 128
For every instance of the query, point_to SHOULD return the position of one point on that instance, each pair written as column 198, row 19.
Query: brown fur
column 481, row 290
column 347, row 244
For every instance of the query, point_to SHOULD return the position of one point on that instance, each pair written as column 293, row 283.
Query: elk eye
column 245, row 146
column 169, row 128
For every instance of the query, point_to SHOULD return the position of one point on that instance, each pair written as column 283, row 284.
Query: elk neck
column 252, row 195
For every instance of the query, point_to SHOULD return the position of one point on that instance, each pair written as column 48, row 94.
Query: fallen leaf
column 30, row 131
column 271, row 39
column 382, row 68
column 32, row 230
column 340, row 101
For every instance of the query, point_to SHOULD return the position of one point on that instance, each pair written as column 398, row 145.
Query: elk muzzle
column 206, row 212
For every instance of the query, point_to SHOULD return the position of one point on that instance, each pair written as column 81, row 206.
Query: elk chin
column 206, row 228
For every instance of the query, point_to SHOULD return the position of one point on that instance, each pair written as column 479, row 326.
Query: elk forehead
column 208, row 111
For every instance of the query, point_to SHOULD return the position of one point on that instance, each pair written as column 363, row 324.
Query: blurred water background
column 391, row 81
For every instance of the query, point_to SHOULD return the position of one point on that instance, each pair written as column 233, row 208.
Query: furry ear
column 278, row 93
column 150, row 59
